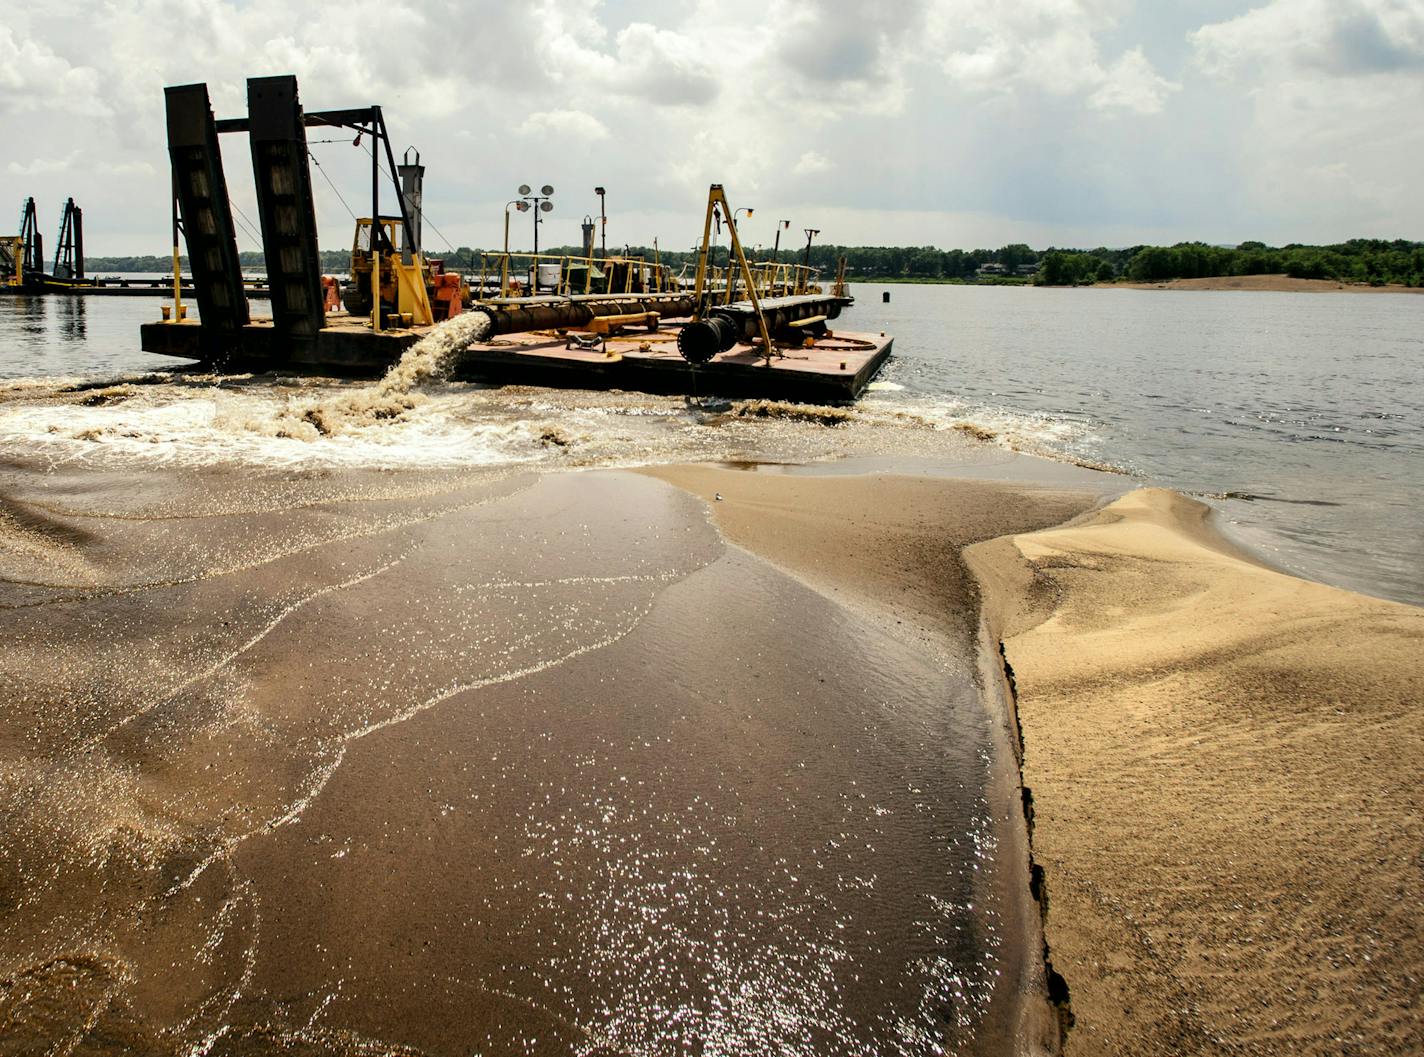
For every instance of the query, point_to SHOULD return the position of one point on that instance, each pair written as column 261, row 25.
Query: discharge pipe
column 549, row 313
column 726, row 325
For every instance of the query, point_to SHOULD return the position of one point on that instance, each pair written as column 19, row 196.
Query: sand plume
column 428, row 360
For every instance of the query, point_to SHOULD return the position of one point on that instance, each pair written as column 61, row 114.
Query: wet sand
column 329, row 760
column 341, row 761
column 1225, row 764
column 1276, row 283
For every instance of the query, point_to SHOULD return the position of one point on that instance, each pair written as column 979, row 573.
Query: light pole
column 811, row 233
column 781, row 225
column 540, row 204
column 803, row 280
column 523, row 207
column 745, row 210
column 603, row 219
column 518, row 204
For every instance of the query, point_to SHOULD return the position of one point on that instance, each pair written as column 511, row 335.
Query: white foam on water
column 428, row 360
column 1017, row 430
column 181, row 427
column 413, row 417
column 386, row 424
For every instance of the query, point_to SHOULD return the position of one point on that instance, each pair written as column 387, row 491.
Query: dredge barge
column 748, row 329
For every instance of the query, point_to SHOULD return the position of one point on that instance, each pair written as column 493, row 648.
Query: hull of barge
column 835, row 368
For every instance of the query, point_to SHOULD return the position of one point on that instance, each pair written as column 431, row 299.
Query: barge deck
column 835, row 367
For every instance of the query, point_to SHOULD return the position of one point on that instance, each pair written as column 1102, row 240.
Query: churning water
column 1300, row 416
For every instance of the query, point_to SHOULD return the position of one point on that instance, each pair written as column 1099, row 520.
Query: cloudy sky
column 945, row 122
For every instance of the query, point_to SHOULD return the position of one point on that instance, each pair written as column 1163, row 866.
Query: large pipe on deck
column 721, row 328
column 512, row 317
column 726, row 325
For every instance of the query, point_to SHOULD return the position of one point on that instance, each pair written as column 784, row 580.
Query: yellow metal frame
column 717, row 199
column 411, row 296
column 15, row 249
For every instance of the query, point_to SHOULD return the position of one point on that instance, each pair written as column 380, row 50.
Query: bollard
column 885, row 297
column 167, row 311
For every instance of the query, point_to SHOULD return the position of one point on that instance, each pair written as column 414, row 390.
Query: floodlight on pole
column 781, row 225
column 540, row 204
column 811, row 233
column 522, row 206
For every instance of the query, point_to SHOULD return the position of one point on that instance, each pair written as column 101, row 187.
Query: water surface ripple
column 1301, row 416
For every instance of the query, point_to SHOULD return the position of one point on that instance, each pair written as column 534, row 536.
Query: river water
column 1300, row 416
column 346, row 739
column 1305, row 410
column 370, row 738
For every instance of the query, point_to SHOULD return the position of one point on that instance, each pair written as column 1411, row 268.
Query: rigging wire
column 382, row 169
column 247, row 224
column 423, row 218
column 328, row 179
column 453, row 251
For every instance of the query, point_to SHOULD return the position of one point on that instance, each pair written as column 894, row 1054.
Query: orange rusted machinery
column 447, row 292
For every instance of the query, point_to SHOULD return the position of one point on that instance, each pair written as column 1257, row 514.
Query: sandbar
column 1272, row 283
column 1224, row 764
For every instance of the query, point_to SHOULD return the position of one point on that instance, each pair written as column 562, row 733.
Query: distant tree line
column 862, row 262
column 1374, row 261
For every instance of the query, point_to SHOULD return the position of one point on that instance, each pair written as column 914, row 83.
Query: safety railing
column 772, row 279
column 527, row 274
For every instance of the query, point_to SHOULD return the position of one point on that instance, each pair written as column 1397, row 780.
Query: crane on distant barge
column 22, row 256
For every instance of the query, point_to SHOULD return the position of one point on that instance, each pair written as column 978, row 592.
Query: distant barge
column 112, row 288
column 758, row 329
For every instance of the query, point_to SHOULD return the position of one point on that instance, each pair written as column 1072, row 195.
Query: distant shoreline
column 1275, row 283
column 1269, row 283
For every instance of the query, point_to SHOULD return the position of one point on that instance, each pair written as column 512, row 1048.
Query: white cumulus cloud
column 1343, row 38
column 34, row 77
column 812, row 162
column 1132, row 84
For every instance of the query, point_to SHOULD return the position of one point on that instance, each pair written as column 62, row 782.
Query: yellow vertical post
column 177, row 286
column 741, row 259
column 701, row 282
column 375, row 287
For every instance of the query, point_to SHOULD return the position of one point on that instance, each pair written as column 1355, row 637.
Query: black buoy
column 885, row 297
